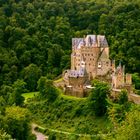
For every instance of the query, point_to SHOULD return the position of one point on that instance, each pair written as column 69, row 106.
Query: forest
column 35, row 41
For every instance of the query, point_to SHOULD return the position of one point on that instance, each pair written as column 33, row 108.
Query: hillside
column 35, row 43
column 73, row 115
column 72, row 118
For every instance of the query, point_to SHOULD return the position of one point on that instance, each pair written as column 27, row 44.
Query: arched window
column 99, row 64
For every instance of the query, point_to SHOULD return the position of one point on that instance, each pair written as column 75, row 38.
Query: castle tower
column 73, row 61
column 94, row 51
column 83, row 66
column 128, row 79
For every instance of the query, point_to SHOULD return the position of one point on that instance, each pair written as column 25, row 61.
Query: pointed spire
column 123, row 69
column 113, row 65
column 120, row 64
column 84, row 40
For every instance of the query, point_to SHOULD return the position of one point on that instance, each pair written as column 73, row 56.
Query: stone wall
column 77, row 82
column 134, row 98
column 90, row 55
column 77, row 92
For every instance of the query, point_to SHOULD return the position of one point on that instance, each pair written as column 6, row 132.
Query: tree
column 51, row 91
column 4, row 135
column 116, row 114
column 47, row 89
column 16, row 98
column 5, row 89
column 31, row 74
column 129, row 130
column 98, row 98
column 42, row 85
column 123, row 97
column 19, row 86
column 52, row 136
column 136, row 80
column 55, row 55
column 16, row 122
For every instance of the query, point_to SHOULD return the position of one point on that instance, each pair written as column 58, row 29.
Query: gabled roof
column 76, row 73
column 89, row 41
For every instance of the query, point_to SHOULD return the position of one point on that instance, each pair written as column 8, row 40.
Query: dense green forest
column 35, row 41
column 35, row 36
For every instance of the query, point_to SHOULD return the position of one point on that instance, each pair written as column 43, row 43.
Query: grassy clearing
column 71, row 97
column 29, row 95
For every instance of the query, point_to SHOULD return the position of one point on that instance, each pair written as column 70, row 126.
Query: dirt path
column 39, row 136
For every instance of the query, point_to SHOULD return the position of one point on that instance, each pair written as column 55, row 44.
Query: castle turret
column 113, row 66
column 128, row 79
column 73, row 57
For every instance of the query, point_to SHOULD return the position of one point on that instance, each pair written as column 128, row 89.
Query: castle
column 89, row 60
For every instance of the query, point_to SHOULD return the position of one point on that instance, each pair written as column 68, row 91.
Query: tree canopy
column 98, row 98
column 35, row 37
column 35, row 42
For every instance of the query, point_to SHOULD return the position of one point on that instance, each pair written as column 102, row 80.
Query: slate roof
column 77, row 73
column 89, row 41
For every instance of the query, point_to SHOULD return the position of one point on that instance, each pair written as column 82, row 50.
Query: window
column 107, row 64
column 99, row 65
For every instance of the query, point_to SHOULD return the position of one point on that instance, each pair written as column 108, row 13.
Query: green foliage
column 16, row 122
column 16, row 98
column 52, row 136
column 5, row 90
column 136, row 80
column 130, row 127
column 2, row 105
column 41, row 85
column 123, row 97
column 19, row 86
column 30, row 95
column 4, row 135
column 31, row 74
column 40, row 33
column 47, row 89
column 116, row 114
column 98, row 98
column 70, row 115
column 51, row 91
column 35, row 41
